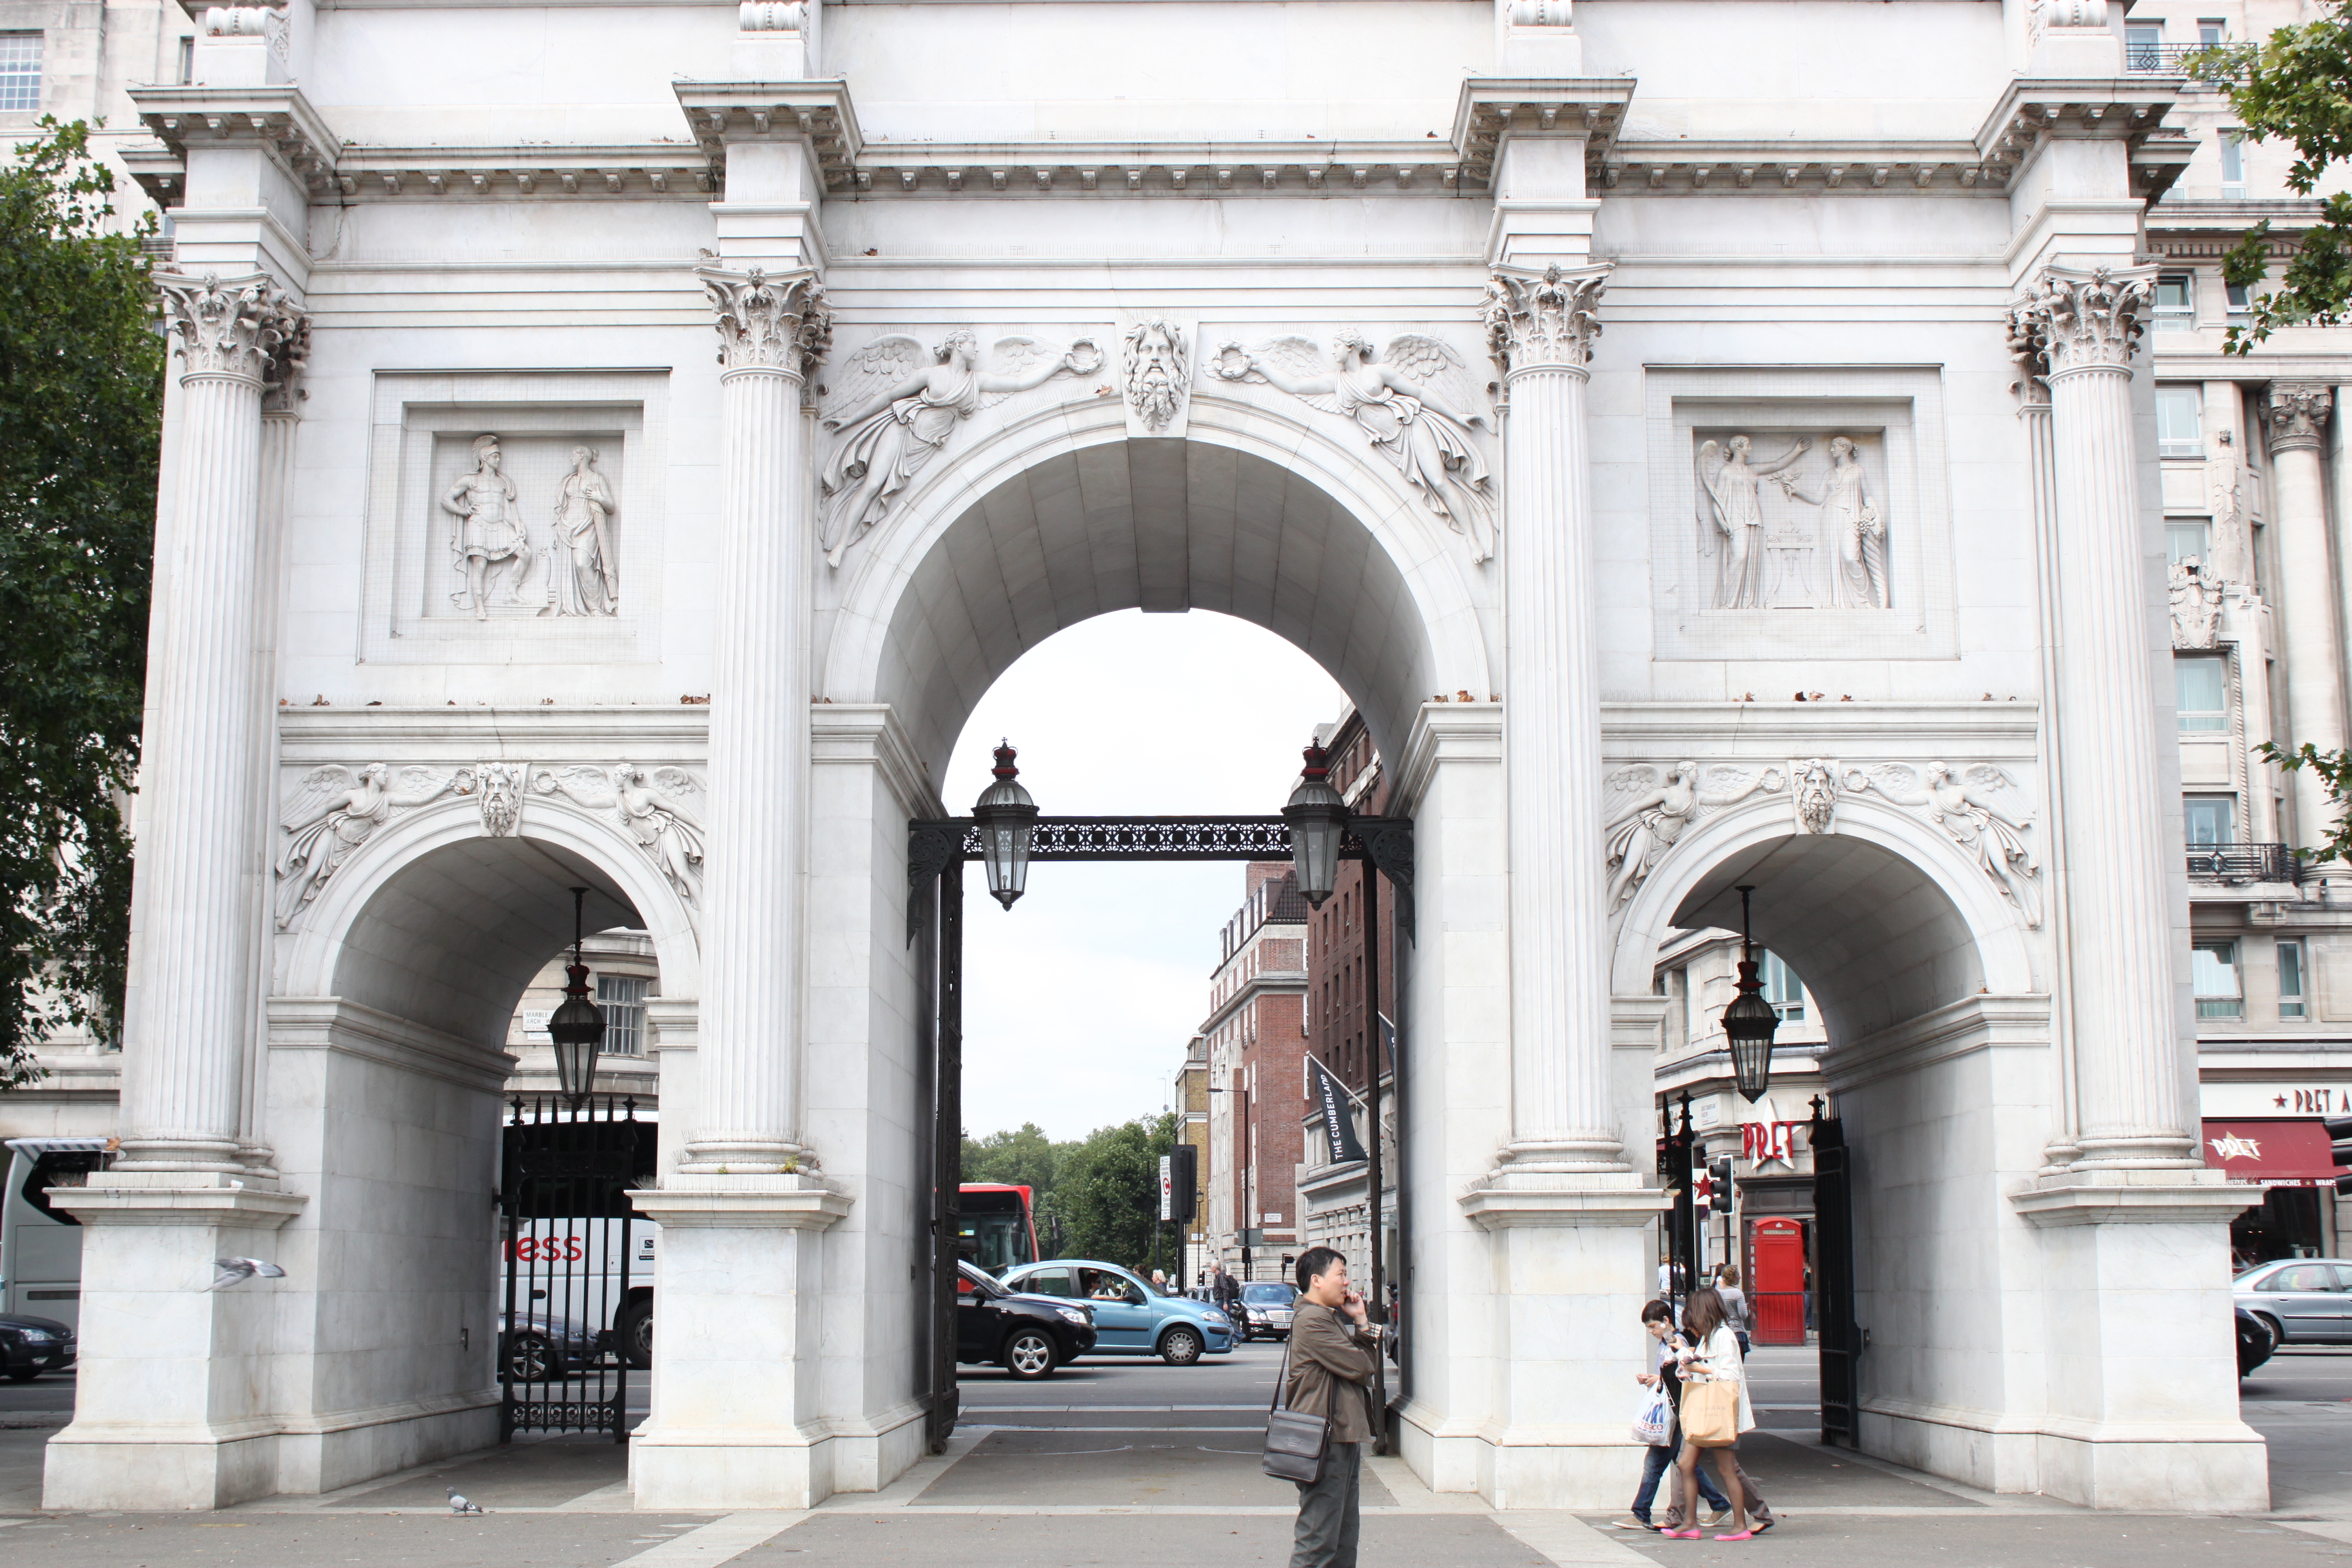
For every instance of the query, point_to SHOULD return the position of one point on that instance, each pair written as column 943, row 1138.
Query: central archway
column 1063, row 517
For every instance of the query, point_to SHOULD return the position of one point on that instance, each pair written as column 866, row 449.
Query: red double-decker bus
column 999, row 1230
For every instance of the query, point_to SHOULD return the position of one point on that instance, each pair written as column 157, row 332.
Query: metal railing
column 2158, row 58
column 2243, row 863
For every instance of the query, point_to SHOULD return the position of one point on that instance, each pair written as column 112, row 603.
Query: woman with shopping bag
column 1715, row 1407
column 1654, row 1427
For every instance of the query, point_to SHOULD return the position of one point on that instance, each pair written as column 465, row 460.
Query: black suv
column 1028, row 1335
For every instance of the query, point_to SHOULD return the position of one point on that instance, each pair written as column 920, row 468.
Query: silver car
column 2302, row 1301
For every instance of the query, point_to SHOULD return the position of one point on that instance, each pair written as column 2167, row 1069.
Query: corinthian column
column 1541, row 331
column 2295, row 418
column 770, row 330
column 2118, row 934
column 189, row 1025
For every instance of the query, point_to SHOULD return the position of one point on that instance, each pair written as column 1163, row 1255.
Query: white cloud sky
column 1078, row 1003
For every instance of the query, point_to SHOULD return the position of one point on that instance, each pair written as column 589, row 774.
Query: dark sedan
column 1029, row 1336
column 31, row 1346
column 542, row 1347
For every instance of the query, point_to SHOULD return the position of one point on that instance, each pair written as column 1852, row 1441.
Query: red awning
column 2273, row 1153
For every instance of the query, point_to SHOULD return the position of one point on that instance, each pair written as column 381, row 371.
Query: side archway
column 1884, row 919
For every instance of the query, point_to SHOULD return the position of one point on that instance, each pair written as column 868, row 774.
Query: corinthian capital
column 2295, row 416
column 246, row 327
column 1543, row 322
column 769, row 324
column 2084, row 320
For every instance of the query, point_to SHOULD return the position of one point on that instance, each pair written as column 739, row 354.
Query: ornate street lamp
column 1749, row 1021
column 1317, row 815
column 1008, row 821
column 577, row 1026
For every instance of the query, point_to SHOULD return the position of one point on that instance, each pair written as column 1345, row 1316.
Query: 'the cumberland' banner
column 1338, row 1125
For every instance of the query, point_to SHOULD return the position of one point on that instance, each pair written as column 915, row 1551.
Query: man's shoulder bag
column 1296, row 1442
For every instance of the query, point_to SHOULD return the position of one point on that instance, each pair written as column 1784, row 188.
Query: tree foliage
column 81, row 377
column 2297, row 86
column 1097, row 1196
column 2335, row 770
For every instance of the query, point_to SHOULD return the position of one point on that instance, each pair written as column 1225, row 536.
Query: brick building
column 1256, row 1039
column 1193, row 1107
column 1343, row 1028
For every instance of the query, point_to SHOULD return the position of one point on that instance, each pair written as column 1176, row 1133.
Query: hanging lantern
column 1317, row 815
column 1008, row 821
column 577, row 1026
column 1749, row 1021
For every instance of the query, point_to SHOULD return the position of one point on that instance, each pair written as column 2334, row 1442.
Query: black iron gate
column 936, row 851
column 1840, row 1340
column 566, row 1233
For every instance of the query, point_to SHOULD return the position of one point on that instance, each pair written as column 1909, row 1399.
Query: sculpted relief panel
column 1805, row 512
column 516, row 518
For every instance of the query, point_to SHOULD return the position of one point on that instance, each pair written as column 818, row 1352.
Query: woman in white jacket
column 1716, row 1359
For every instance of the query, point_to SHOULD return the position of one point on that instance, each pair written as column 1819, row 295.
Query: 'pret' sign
column 2275, row 1099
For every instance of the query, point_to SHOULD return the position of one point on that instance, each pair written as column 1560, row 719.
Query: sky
column 1079, row 1001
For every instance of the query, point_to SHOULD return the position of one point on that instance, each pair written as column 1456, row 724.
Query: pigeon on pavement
column 238, row 1270
column 460, row 1503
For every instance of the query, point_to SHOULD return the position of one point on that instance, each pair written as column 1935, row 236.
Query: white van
column 562, row 1260
column 40, row 1247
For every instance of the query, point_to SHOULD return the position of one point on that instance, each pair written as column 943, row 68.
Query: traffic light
column 1719, row 1186
column 1184, row 1183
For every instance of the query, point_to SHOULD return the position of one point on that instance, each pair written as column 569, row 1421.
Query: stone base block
column 1592, row 1474
column 2186, row 1470
column 155, row 1472
column 327, row 1455
column 731, row 1473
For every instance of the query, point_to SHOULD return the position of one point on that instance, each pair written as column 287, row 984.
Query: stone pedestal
column 737, row 1340
column 174, row 1410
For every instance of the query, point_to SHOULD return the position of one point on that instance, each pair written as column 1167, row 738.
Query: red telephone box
column 1775, row 1293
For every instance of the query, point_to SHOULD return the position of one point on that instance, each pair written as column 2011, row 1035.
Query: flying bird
column 460, row 1503
column 238, row 1270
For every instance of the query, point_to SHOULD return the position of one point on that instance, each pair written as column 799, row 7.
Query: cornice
column 819, row 114
column 1492, row 109
column 1155, row 168
column 649, row 170
column 2033, row 112
column 1844, row 168
column 279, row 121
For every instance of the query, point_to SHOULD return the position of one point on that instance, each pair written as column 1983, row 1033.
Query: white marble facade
column 1481, row 349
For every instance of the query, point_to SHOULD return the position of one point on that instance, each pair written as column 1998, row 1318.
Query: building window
column 2211, row 32
column 2290, row 967
column 2212, row 820
column 187, row 61
column 2202, row 687
column 2143, row 46
column 20, row 73
column 2214, row 967
column 2185, row 537
column 1783, row 989
column 2179, row 422
column 2233, row 164
column 623, row 997
column 2176, row 302
column 2241, row 304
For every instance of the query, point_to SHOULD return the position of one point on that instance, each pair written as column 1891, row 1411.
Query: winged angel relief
column 1417, row 406
column 334, row 812
column 1980, row 809
column 651, row 803
column 897, row 405
column 1643, row 816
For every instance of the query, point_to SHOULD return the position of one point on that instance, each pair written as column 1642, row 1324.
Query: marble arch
column 1160, row 524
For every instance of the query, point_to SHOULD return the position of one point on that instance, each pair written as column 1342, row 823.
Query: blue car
column 1130, row 1317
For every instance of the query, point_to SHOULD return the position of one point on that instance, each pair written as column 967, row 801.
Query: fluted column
column 2126, row 1055
column 1541, row 331
column 2295, row 419
column 769, row 332
column 184, row 1066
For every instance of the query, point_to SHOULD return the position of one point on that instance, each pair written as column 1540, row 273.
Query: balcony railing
column 2243, row 863
column 2157, row 59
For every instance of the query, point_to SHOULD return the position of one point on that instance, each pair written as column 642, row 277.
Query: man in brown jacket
column 1330, row 1374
